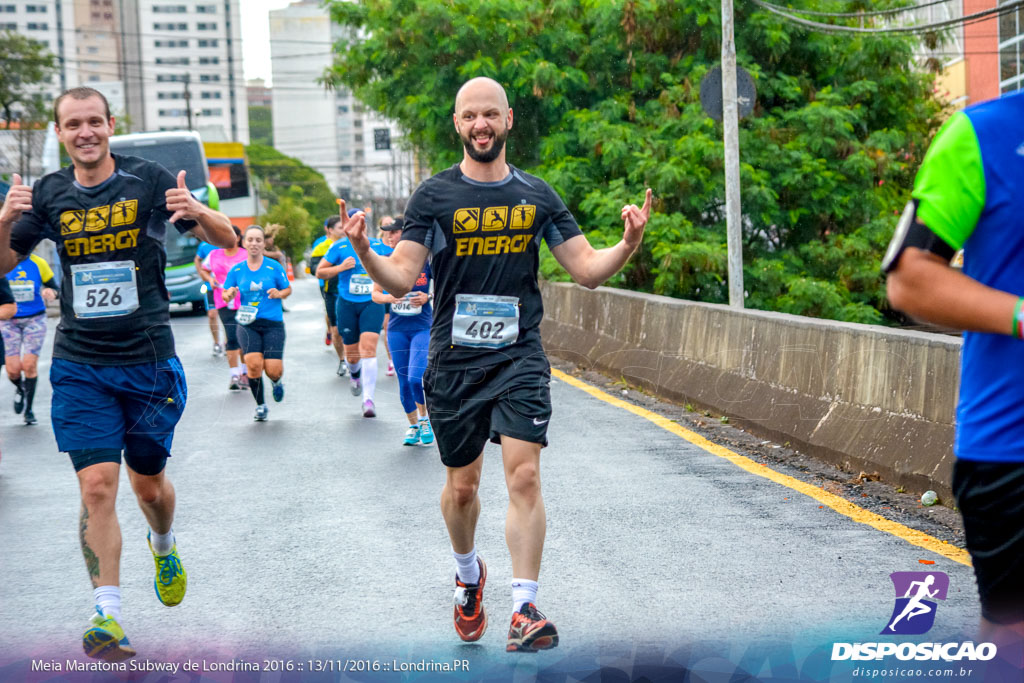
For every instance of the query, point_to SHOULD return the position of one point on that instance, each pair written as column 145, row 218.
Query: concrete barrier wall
column 864, row 397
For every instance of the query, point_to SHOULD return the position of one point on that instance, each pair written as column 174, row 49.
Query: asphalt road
column 318, row 535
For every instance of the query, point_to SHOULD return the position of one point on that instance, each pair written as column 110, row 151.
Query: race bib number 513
column 104, row 289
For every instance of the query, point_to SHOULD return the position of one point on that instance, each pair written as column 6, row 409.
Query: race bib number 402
column 104, row 289
column 485, row 321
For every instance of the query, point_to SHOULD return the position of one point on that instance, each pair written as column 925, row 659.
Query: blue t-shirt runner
column 969, row 194
column 406, row 317
column 27, row 281
column 353, row 284
column 253, row 285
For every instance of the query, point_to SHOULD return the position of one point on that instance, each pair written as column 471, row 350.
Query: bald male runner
column 481, row 222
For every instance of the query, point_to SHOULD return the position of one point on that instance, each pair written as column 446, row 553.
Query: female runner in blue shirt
column 261, row 283
column 359, row 319
column 409, row 338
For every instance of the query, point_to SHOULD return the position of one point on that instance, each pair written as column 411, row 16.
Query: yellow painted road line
column 837, row 503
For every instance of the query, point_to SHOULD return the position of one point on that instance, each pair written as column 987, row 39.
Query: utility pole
column 188, row 101
column 731, row 135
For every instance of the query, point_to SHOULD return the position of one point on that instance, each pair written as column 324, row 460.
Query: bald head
column 481, row 90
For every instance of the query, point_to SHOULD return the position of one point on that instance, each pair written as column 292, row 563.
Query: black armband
column 911, row 232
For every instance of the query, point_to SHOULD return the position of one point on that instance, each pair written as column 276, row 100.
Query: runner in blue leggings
column 409, row 338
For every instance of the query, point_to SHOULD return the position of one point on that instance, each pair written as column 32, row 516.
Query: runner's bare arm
column 275, row 293
column 592, row 267
column 379, row 297
column 924, row 286
column 325, row 270
column 7, row 311
column 17, row 202
column 396, row 273
column 214, row 227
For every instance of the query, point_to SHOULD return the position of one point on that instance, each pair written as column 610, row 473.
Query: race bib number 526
column 104, row 289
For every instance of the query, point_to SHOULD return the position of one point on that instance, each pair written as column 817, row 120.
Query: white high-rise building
column 183, row 67
column 165, row 64
column 357, row 152
column 51, row 22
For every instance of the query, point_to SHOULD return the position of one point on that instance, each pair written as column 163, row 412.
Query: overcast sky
column 256, row 36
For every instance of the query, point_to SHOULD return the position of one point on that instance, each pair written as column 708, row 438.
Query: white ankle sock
column 354, row 368
column 162, row 543
column 369, row 378
column 235, row 371
column 108, row 599
column 466, row 567
column 523, row 591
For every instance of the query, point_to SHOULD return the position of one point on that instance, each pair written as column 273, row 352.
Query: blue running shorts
column 100, row 410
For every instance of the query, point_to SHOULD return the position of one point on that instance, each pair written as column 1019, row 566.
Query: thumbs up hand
column 181, row 202
column 17, row 202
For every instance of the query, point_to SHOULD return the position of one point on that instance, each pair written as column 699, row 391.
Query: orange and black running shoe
column 530, row 631
column 470, row 615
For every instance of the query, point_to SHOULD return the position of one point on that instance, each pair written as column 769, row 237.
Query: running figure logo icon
column 916, row 592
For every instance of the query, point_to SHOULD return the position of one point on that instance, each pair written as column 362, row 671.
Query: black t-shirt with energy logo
column 484, row 240
column 110, row 239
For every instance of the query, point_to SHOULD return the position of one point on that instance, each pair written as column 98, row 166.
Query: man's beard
column 486, row 157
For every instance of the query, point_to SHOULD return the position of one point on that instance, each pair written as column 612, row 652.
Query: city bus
column 177, row 151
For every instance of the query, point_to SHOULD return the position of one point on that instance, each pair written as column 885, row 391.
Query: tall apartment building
column 183, row 67
column 52, row 23
column 166, row 64
column 357, row 152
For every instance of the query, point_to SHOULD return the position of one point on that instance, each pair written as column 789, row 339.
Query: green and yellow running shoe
column 106, row 640
column 171, row 578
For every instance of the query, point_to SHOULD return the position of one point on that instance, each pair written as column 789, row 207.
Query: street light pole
column 731, row 136
column 188, row 101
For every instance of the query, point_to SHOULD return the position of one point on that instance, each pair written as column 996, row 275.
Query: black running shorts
column 262, row 336
column 331, row 304
column 468, row 406
column 990, row 496
column 227, row 317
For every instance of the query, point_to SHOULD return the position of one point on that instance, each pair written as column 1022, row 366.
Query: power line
column 921, row 28
column 856, row 15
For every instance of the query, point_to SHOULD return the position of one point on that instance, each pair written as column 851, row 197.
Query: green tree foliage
column 284, row 180
column 297, row 224
column 24, row 64
column 261, row 126
column 606, row 102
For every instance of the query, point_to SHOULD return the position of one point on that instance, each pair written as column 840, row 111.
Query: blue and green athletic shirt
column 484, row 239
column 421, row 320
column 340, row 251
column 98, row 229
column 253, row 285
column 27, row 281
column 970, row 190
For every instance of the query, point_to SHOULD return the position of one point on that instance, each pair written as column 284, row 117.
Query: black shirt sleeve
column 419, row 219
column 561, row 226
column 33, row 226
column 163, row 181
column 6, row 295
